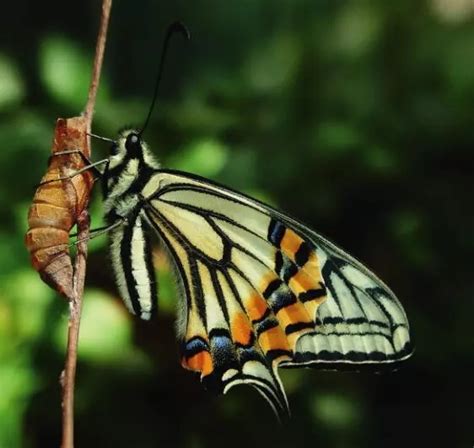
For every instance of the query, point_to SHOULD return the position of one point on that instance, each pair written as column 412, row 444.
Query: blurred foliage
column 355, row 116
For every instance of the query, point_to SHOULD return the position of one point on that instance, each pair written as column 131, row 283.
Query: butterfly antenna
column 99, row 137
column 176, row 27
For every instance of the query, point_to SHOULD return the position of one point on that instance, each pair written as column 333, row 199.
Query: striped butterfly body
column 259, row 289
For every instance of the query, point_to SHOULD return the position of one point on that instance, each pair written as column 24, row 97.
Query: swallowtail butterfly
column 259, row 290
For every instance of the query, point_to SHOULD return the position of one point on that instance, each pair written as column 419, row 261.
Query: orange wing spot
column 293, row 314
column 273, row 339
column 312, row 306
column 302, row 282
column 241, row 330
column 290, row 243
column 256, row 307
column 312, row 265
column 200, row 362
column 267, row 279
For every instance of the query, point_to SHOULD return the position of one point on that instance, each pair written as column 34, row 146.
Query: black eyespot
column 133, row 144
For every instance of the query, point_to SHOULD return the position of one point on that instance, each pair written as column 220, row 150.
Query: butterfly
column 258, row 289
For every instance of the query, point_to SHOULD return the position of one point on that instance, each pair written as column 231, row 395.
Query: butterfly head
column 128, row 147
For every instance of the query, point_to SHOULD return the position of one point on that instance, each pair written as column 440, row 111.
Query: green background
column 354, row 116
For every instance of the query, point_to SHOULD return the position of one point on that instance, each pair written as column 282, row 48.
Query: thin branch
column 69, row 372
column 99, row 57
column 68, row 375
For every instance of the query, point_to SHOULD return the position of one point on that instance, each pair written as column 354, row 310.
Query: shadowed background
column 354, row 116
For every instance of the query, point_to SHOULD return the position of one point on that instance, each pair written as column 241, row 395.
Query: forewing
column 262, row 290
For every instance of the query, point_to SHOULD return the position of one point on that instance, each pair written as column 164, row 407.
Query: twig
column 99, row 56
column 68, row 375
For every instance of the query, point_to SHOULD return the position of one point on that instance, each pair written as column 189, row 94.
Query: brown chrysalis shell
column 58, row 203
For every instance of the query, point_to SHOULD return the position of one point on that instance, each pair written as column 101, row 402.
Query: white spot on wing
column 228, row 374
column 256, row 368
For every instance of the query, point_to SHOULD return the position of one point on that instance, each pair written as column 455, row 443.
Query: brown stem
column 99, row 57
column 69, row 373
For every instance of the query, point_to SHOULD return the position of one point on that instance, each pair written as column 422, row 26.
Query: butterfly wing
column 262, row 290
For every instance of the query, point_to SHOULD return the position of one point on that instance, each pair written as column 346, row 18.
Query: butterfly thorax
column 130, row 167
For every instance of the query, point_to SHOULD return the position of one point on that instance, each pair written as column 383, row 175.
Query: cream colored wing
column 261, row 290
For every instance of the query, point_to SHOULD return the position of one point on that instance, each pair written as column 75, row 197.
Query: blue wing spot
column 222, row 349
column 195, row 346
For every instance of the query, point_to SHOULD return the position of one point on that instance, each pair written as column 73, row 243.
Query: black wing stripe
column 303, row 253
column 198, row 292
column 312, row 294
column 219, row 294
column 352, row 321
column 276, row 231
